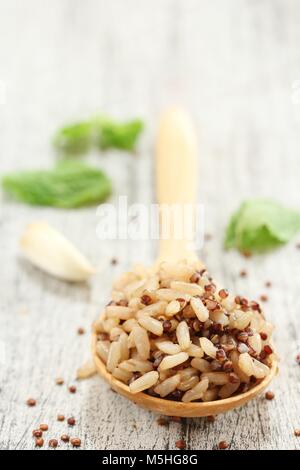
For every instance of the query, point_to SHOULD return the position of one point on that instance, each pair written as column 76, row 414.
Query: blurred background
column 235, row 66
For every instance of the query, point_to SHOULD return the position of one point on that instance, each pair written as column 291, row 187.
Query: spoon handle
column 176, row 184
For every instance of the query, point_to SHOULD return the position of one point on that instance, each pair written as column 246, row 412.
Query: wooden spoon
column 177, row 184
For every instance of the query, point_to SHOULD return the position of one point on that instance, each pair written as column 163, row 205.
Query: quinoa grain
column 75, row 441
column 53, row 443
column 31, row 402
column 44, row 427
column 223, row 445
column 162, row 421
column 180, row 444
column 269, row 395
column 39, row 442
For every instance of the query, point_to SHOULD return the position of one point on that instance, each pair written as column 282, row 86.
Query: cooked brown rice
column 173, row 333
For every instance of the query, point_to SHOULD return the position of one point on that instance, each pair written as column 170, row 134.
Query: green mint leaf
column 75, row 139
column 70, row 184
column 122, row 136
column 261, row 224
column 102, row 132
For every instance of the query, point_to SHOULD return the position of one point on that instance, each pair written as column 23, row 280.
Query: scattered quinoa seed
column 44, row 427
column 37, row 433
column 247, row 253
column 298, row 358
column 71, row 421
column 162, row 421
column 269, row 395
column 81, row 331
column 59, row 381
column 180, row 444
column 297, row 432
column 60, row 418
column 76, row 442
column 113, row 261
column 268, row 284
column 39, row 442
column 211, row 419
column 263, row 298
column 53, row 443
column 65, row 437
column 176, row 419
column 31, row 402
column 72, row 389
column 243, row 273
column 223, row 445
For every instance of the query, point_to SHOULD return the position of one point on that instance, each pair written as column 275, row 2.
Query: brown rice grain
column 146, row 381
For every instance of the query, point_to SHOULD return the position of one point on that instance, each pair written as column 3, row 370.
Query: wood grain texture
column 233, row 65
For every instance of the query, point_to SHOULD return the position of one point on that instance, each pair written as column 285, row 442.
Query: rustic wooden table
column 235, row 66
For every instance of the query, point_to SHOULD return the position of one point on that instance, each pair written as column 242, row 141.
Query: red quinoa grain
column 162, row 421
column 31, row 402
column 60, row 418
column 211, row 419
column 167, row 325
column 59, row 381
column 269, row 395
column 223, row 293
column 71, row 421
column 53, row 443
column 39, row 442
column 223, row 445
column 75, row 441
column 44, row 427
column 195, row 278
column 146, row 299
column 180, row 444
column 264, row 298
column 72, row 389
column 176, row 419
column 243, row 273
column 297, row 432
column 37, row 433
column 81, row 331
column 267, row 349
column 65, row 437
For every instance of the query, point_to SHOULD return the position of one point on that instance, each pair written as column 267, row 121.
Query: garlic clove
column 50, row 251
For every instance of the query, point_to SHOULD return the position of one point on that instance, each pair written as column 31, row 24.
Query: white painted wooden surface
column 233, row 65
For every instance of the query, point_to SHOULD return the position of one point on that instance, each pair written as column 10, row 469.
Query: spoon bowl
column 178, row 408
